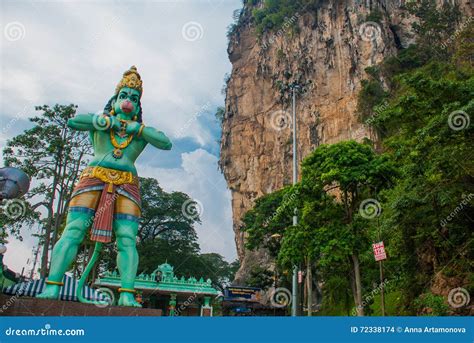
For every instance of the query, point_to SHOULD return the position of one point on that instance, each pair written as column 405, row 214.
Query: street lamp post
column 294, row 306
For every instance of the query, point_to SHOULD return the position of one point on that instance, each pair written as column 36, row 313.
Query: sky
column 76, row 51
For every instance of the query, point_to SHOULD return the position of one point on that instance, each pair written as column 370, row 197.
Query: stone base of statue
column 26, row 306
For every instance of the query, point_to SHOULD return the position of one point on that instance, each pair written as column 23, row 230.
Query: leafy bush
column 374, row 16
column 275, row 13
column 260, row 277
column 431, row 305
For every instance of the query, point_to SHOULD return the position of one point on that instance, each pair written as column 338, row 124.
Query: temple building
column 163, row 290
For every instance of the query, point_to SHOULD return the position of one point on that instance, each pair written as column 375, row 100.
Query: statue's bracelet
column 140, row 130
column 56, row 283
column 107, row 120
column 126, row 290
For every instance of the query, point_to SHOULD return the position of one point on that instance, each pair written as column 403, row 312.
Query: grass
column 392, row 307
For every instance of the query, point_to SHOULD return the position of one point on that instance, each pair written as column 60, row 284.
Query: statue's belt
column 110, row 176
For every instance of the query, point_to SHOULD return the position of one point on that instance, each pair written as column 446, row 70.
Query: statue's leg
column 127, row 258
column 65, row 250
column 126, row 228
column 79, row 220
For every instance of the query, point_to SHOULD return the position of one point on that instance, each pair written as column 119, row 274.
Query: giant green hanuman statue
column 107, row 197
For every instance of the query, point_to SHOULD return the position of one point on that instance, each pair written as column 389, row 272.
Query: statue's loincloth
column 106, row 194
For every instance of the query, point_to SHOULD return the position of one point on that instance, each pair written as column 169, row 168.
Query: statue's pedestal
column 25, row 306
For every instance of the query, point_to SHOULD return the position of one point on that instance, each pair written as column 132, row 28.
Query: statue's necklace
column 118, row 153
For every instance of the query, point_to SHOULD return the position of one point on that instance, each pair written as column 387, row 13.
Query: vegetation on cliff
column 418, row 197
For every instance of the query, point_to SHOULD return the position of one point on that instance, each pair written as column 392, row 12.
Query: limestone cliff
column 335, row 42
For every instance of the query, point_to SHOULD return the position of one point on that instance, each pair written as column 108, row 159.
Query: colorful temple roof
column 161, row 280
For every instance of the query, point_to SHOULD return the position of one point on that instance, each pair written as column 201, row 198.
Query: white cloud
column 199, row 177
column 19, row 254
column 76, row 52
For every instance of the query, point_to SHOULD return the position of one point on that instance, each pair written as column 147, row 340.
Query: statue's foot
column 127, row 299
column 50, row 292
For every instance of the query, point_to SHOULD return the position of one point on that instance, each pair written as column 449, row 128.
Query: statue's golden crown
column 131, row 79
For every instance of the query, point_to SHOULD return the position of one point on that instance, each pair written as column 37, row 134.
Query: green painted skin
column 78, row 224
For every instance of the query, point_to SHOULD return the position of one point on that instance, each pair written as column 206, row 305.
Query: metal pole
column 295, row 218
column 382, row 291
column 382, row 295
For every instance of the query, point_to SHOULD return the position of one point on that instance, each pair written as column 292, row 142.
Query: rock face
column 329, row 54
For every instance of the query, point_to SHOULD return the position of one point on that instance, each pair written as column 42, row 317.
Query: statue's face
column 126, row 103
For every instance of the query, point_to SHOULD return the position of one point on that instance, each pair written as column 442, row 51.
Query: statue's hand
column 132, row 127
column 114, row 123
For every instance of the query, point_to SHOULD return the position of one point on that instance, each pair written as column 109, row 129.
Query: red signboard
column 379, row 251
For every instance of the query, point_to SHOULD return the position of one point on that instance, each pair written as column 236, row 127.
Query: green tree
column 165, row 232
column 260, row 277
column 425, row 126
column 163, row 215
column 434, row 26
column 429, row 134
column 357, row 174
column 220, row 113
column 265, row 219
column 336, row 180
column 53, row 156
column 214, row 267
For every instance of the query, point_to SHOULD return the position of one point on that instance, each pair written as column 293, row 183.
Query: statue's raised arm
column 156, row 138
